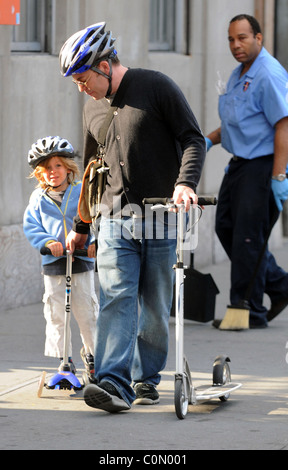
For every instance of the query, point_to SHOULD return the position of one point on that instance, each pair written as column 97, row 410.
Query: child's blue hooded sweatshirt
column 45, row 221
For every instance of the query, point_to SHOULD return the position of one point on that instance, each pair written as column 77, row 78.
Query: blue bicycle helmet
column 49, row 147
column 85, row 49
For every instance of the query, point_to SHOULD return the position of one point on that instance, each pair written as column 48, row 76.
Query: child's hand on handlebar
column 91, row 251
column 56, row 249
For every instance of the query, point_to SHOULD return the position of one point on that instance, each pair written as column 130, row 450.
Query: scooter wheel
column 222, row 374
column 41, row 384
column 180, row 399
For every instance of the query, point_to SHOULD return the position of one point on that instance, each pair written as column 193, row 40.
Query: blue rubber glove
column 280, row 191
column 208, row 144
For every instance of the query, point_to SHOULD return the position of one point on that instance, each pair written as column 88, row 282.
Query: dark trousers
column 245, row 213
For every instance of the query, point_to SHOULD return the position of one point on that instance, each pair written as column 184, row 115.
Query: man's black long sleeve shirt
column 153, row 143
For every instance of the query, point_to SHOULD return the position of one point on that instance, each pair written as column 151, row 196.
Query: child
column 47, row 221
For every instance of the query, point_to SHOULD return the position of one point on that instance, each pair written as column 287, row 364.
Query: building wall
column 36, row 101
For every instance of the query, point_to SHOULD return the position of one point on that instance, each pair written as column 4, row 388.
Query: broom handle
column 274, row 218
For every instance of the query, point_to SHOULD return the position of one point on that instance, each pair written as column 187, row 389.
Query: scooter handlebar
column 202, row 200
column 46, row 251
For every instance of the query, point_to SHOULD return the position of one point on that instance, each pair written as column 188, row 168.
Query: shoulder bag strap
column 105, row 125
column 109, row 116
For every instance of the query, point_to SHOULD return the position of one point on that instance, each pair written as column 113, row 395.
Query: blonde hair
column 68, row 163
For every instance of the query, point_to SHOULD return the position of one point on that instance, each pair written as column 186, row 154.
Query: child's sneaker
column 71, row 364
column 146, row 394
column 88, row 361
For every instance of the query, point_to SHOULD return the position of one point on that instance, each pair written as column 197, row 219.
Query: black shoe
column 252, row 326
column 146, row 394
column 277, row 308
column 105, row 397
column 257, row 326
column 216, row 323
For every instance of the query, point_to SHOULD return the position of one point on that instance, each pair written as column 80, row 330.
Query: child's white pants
column 84, row 307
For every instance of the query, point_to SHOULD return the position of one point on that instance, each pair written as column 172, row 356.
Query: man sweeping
column 254, row 129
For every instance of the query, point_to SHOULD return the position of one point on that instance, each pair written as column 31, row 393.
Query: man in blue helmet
column 154, row 148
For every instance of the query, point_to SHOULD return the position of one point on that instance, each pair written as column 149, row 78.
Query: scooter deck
column 59, row 381
column 203, row 393
column 68, row 379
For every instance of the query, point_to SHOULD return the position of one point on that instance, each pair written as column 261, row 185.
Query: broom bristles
column 236, row 318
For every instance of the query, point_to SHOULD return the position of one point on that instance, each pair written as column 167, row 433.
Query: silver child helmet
column 85, row 49
column 49, row 147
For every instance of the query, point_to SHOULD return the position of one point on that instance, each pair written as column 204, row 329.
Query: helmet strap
column 95, row 69
column 55, row 187
column 109, row 77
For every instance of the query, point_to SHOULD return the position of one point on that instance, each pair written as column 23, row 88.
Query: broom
column 237, row 316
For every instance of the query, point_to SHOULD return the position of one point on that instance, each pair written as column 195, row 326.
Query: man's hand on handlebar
column 91, row 251
column 184, row 194
column 75, row 240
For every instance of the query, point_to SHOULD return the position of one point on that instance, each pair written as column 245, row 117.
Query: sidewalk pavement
column 254, row 417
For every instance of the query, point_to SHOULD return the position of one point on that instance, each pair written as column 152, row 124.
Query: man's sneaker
column 105, row 397
column 146, row 394
column 88, row 361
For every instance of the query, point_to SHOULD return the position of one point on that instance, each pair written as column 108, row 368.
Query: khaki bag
column 95, row 177
column 93, row 185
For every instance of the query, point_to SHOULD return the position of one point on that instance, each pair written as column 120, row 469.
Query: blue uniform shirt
column 251, row 107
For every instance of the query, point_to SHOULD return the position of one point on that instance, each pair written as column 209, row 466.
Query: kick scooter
column 184, row 392
column 64, row 379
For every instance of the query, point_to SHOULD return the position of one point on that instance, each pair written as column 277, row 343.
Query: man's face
column 244, row 46
column 92, row 83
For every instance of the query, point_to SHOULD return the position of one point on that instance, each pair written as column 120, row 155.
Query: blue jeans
column 132, row 343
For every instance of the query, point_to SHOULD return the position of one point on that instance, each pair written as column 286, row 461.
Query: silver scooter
column 185, row 393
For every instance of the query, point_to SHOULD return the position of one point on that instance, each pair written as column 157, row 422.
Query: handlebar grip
column 157, row 200
column 207, row 200
column 46, row 251
column 202, row 200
